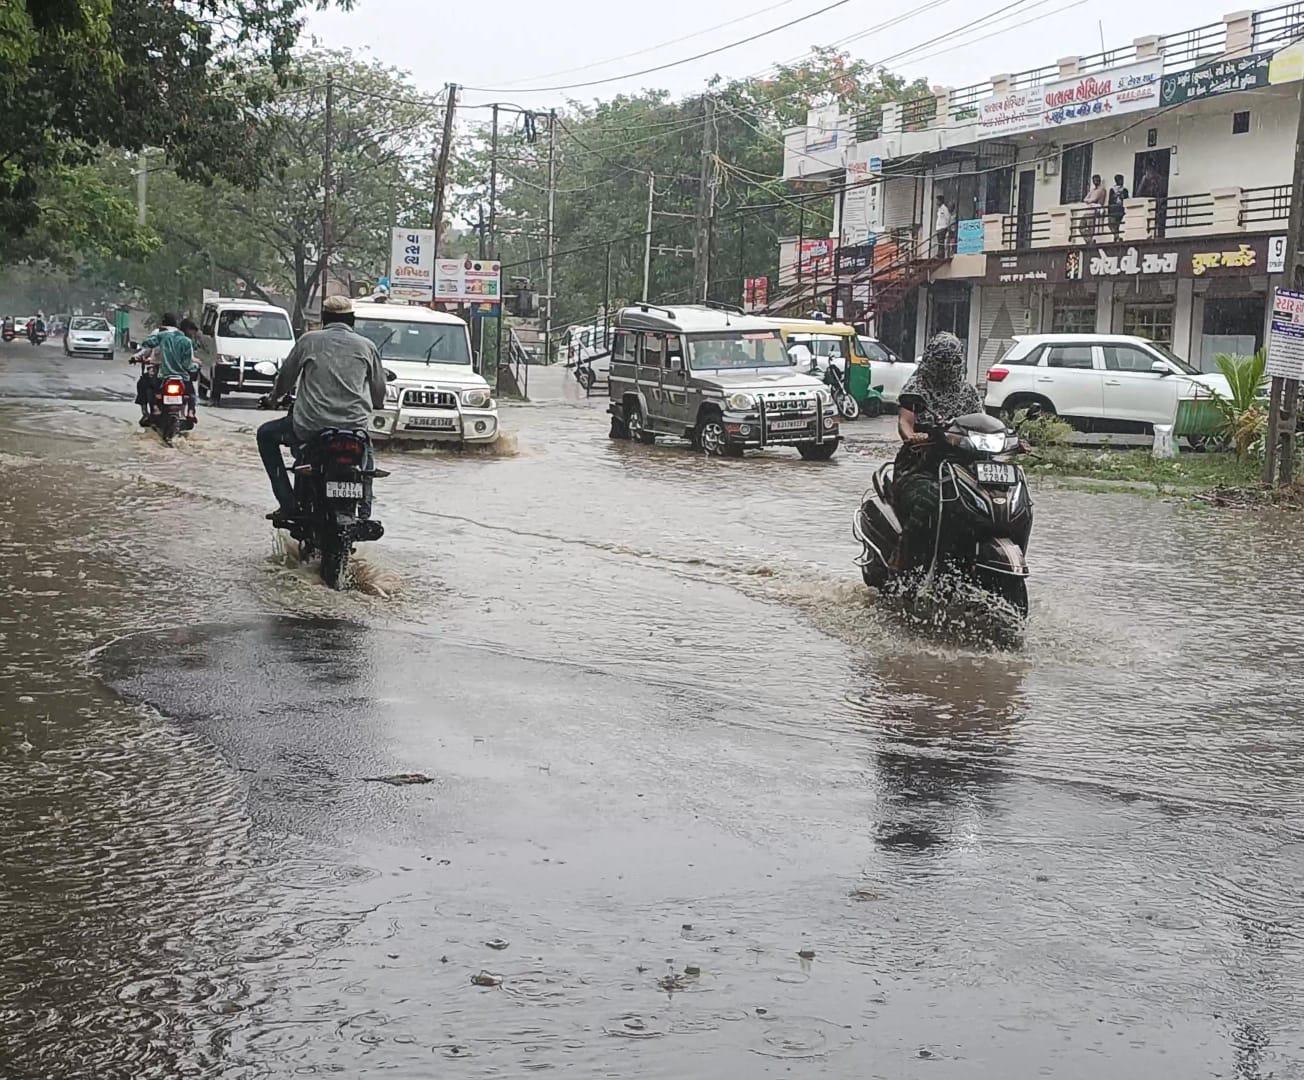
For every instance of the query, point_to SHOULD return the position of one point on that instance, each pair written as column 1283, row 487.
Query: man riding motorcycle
column 937, row 393
column 340, row 381
column 176, row 360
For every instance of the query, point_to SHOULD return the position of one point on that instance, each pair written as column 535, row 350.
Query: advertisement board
column 467, row 281
column 822, row 129
column 756, row 293
column 1286, row 342
column 862, row 205
column 412, row 264
column 1102, row 94
column 1217, row 77
column 1009, row 114
column 969, row 236
column 815, row 258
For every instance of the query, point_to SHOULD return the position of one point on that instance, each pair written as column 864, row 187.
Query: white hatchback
column 89, row 334
column 1097, row 380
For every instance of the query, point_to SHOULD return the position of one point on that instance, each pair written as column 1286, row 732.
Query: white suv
column 1097, row 380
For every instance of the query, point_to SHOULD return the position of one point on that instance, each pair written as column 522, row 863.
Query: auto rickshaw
column 825, row 338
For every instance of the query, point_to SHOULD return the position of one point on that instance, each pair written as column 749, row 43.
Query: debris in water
column 400, row 779
column 485, row 978
column 672, row 982
column 497, row 943
column 693, row 971
column 863, row 893
column 806, row 954
column 26, row 699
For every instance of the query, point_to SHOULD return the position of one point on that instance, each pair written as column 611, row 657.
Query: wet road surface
column 672, row 745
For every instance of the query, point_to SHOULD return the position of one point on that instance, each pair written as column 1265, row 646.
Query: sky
column 509, row 46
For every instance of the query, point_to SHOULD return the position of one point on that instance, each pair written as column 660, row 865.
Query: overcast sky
column 510, row 45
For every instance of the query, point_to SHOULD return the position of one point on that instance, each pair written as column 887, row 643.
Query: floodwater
column 697, row 806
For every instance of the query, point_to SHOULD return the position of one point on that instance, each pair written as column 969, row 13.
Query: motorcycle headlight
column 477, row 399
column 391, row 394
column 988, row 443
column 741, row 402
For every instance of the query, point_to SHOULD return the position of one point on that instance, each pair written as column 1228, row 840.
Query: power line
column 663, row 67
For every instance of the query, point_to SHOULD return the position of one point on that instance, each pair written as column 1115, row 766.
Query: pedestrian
column 1118, row 196
column 1096, row 200
column 942, row 226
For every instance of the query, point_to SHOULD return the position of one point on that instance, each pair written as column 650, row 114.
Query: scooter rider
column 340, row 381
column 176, row 360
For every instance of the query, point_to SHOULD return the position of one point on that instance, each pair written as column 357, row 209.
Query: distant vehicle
column 20, row 324
column 435, row 395
column 587, row 354
column 89, row 334
column 886, row 369
column 170, row 411
column 723, row 380
column 1107, row 381
column 826, row 340
column 241, row 346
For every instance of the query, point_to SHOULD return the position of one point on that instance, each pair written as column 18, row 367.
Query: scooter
column 170, row 414
column 835, row 379
column 35, row 336
column 332, row 475
column 984, row 518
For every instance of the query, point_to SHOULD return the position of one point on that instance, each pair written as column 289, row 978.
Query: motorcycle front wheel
column 849, row 407
column 1013, row 590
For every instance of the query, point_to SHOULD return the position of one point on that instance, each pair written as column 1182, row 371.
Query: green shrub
column 1043, row 429
column 1244, row 416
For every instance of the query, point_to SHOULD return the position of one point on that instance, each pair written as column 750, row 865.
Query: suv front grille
column 773, row 405
column 430, row 399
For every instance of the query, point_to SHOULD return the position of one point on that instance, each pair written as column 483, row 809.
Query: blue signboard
column 969, row 236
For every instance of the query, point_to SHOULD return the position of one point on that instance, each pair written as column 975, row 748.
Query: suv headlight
column 741, row 402
column 823, row 394
column 227, row 358
column 477, row 399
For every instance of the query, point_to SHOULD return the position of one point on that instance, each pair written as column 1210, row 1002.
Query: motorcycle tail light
column 174, row 386
column 997, row 374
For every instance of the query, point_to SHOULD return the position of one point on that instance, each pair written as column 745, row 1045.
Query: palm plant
column 1244, row 414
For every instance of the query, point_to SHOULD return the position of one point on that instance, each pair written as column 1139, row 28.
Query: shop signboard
column 862, row 214
column 822, row 127
column 1102, row 94
column 1217, row 77
column 1009, row 114
column 412, row 264
column 756, row 293
column 467, row 281
column 1202, row 259
column 855, row 259
column 969, row 236
column 815, row 257
column 1286, row 342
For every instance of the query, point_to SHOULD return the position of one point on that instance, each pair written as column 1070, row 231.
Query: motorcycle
column 984, row 522
column 169, row 415
column 583, row 372
column 36, row 336
column 836, row 380
column 332, row 478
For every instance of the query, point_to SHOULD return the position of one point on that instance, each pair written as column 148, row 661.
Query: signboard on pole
column 1286, row 342
column 412, row 264
column 467, row 281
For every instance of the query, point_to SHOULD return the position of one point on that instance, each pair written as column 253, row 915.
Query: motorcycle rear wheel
column 169, row 425
column 849, row 407
column 335, row 565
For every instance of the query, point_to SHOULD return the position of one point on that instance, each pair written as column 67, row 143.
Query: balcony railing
column 1025, row 230
column 1277, row 27
column 869, row 124
column 1181, row 215
column 1265, row 206
column 918, row 113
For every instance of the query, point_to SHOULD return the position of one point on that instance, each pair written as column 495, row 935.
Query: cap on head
column 337, row 305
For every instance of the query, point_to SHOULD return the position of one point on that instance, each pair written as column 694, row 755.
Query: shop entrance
column 896, row 328
column 1232, row 324
column 1150, row 181
column 948, row 309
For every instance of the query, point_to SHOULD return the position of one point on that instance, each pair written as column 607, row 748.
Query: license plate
column 439, row 423
column 343, row 489
column 994, row 472
column 788, row 425
column 173, row 399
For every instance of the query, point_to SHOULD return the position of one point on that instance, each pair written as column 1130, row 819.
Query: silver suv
column 722, row 380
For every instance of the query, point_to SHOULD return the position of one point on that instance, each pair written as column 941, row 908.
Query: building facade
column 1200, row 126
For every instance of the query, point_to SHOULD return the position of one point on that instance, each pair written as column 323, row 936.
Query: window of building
column 1069, row 356
column 1153, row 321
column 1240, row 123
column 1075, row 175
column 1073, row 319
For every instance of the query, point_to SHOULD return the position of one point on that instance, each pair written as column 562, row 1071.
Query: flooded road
column 696, row 805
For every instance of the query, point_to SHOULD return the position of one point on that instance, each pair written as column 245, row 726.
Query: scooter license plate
column 343, row 489
column 995, row 472
column 173, row 399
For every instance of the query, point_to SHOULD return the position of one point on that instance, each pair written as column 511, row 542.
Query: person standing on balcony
column 1094, row 217
column 1151, row 186
column 942, row 227
column 1118, row 195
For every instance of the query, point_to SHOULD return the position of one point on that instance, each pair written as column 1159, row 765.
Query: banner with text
column 467, row 281
column 412, row 264
column 1286, row 342
column 1102, row 94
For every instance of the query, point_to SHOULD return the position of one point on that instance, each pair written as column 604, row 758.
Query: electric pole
column 327, row 182
column 705, row 204
column 1283, row 399
column 441, row 169
column 552, row 239
column 142, row 182
column 647, row 236
column 493, row 187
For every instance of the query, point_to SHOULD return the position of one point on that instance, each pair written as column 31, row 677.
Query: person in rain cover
column 935, row 394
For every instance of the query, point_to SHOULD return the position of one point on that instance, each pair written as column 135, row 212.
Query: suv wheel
column 818, row 451
column 634, row 424
column 711, row 438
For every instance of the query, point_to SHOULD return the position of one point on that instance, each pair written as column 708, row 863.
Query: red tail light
column 997, row 374
column 174, row 386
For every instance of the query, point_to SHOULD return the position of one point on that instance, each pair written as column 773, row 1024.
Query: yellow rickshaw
column 826, row 338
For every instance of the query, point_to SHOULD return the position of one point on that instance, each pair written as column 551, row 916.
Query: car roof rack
column 643, row 305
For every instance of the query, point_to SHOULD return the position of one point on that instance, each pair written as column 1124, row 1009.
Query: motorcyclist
column 935, row 394
column 339, row 381
column 176, row 359
column 36, row 327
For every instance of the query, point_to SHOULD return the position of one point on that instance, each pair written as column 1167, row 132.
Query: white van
column 241, row 346
column 435, row 395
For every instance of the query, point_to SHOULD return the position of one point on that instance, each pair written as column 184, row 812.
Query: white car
column 241, row 346
column 886, row 369
column 89, row 334
column 1106, row 381
column 435, row 395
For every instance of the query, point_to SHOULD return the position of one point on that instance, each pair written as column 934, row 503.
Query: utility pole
column 441, row 169
column 142, row 182
column 480, row 229
column 327, row 182
column 552, row 238
column 647, row 237
column 705, row 203
column 1283, row 399
column 493, row 187
column 606, row 302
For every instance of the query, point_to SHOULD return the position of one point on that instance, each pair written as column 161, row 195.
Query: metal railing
column 1109, row 58
column 1175, row 215
column 1187, row 48
column 964, row 103
column 1025, row 80
column 1265, row 205
column 869, row 124
column 918, row 113
column 1277, row 27
column 1020, row 231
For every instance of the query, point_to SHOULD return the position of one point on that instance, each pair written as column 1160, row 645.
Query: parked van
column 721, row 379
column 435, row 395
column 241, row 346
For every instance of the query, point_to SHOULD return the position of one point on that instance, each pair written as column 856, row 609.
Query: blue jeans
column 278, row 433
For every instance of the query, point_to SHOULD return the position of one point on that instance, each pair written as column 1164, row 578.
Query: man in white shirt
column 942, row 227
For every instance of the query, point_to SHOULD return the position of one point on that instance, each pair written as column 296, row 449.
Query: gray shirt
column 338, row 372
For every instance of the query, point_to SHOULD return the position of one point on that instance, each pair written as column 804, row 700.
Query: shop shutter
column 899, row 203
column 1000, row 317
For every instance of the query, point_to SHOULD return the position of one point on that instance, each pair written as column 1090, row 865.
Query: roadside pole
column 606, row 302
column 647, row 236
column 327, row 182
column 1283, row 399
column 552, row 242
column 441, row 169
column 493, row 247
column 142, row 184
column 705, row 204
